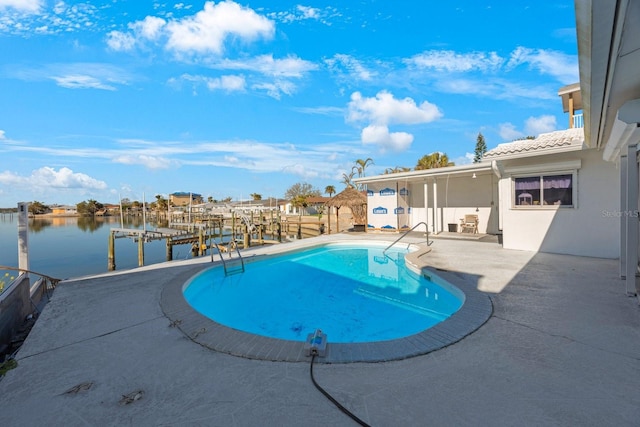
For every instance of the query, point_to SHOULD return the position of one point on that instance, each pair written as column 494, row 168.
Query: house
column 61, row 210
column 546, row 194
column 553, row 195
column 596, row 174
column 183, row 199
column 111, row 209
column 609, row 60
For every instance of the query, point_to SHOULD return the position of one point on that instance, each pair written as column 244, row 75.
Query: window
column 541, row 190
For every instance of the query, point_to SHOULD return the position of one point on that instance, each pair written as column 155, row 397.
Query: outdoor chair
column 469, row 222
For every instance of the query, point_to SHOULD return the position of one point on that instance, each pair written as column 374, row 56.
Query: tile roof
column 551, row 141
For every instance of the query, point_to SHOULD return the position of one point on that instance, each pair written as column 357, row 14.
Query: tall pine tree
column 481, row 148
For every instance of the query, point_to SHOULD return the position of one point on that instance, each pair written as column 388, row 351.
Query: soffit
column 609, row 50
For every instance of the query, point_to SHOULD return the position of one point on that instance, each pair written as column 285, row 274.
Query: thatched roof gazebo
column 354, row 200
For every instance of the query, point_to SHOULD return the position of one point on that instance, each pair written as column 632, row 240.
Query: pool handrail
column 224, row 264
column 426, row 226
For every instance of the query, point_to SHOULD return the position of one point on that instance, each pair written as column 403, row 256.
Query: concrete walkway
column 562, row 347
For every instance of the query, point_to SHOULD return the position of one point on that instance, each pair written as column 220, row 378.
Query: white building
column 609, row 58
column 549, row 194
column 594, row 208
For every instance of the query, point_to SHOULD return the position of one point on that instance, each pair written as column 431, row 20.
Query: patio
column 562, row 347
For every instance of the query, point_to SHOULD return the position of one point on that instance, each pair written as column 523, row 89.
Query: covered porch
column 442, row 198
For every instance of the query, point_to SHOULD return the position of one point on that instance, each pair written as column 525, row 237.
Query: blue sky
column 108, row 98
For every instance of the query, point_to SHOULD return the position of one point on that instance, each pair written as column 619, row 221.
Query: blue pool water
column 353, row 293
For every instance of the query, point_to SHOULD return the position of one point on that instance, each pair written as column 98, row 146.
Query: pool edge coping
column 475, row 312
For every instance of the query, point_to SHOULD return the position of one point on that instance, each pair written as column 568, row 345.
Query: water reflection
column 88, row 223
column 64, row 247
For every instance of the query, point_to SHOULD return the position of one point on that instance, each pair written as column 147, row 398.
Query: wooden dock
column 204, row 232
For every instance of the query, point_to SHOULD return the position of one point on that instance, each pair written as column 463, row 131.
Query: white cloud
column 77, row 81
column 467, row 159
column 508, row 132
column 301, row 170
column 207, row 30
column 2, row 135
column 59, row 7
column 27, row 6
column 302, row 13
column 26, row 17
column 47, row 177
column 267, row 65
column 308, row 12
column 446, row 60
column 387, row 141
column 150, row 27
column 536, row 125
column 384, row 109
column 533, row 126
column 557, row 64
column 228, row 83
column 82, row 75
column 232, row 159
column 119, row 41
column 276, row 88
column 150, row 162
column 321, row 110
column 354, row 68
column 204, row 32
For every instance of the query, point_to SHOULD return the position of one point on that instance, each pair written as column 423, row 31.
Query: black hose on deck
column 334, row 401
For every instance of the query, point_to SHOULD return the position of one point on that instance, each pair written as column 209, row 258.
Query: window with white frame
column 549, row 189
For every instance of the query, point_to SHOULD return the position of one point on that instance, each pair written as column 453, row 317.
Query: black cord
column 334, row 401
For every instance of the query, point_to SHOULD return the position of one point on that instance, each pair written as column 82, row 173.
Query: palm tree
column 300, row 201
column 346, row 179
column 329, row 189
column 361, row 165
column 433, row 160
column 161, row 203
column 397, row 169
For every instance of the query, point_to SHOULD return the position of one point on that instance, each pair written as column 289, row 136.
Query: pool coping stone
column 475, row 311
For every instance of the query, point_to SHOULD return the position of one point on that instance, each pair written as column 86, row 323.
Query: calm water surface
column 72, row 247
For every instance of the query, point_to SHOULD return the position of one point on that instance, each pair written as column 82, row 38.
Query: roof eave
column 484, row 166
column 534, row 153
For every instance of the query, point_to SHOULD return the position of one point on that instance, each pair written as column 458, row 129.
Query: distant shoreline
column 48, row 215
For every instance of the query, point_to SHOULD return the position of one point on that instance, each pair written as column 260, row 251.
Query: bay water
column 66, row 247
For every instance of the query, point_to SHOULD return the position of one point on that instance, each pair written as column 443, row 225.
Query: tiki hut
column 354, row 200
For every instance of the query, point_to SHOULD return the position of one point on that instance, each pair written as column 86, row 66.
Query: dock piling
column 111, row 257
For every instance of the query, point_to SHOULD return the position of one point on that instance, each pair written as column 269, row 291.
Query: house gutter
column 420, row 175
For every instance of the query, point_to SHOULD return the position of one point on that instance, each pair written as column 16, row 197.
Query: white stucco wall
column 463, row 195
column 585, row 230
column 459, row 196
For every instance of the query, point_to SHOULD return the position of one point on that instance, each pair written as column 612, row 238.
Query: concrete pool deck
column 562, row 347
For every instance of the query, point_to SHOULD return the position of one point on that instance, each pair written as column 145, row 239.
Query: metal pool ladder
column 231, row 265
column 426, row 226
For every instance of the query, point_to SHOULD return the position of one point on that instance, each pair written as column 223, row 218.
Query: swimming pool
column 354, row 293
